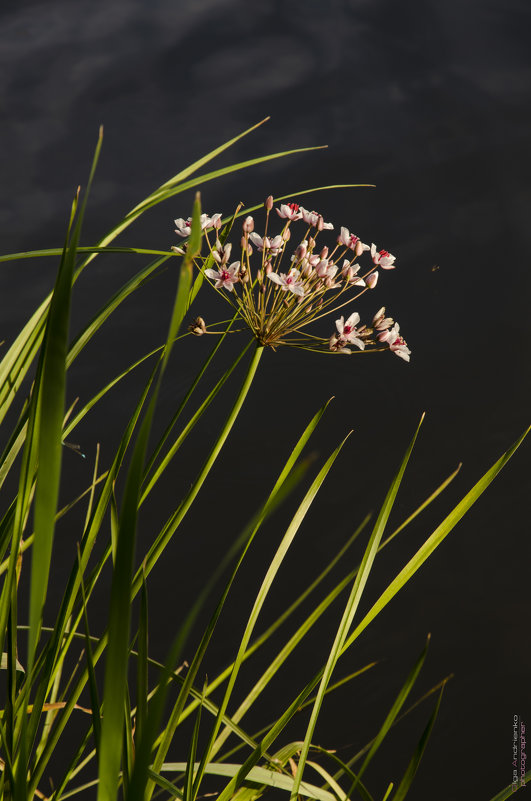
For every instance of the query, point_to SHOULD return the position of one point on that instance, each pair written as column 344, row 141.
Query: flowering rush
column 278, row 290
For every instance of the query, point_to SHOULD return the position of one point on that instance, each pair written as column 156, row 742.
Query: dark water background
column 430, row 102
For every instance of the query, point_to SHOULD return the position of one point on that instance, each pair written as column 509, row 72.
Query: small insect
column 75, row 448
column 435, row 268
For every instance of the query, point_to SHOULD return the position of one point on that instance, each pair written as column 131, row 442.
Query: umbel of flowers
column 279, row 291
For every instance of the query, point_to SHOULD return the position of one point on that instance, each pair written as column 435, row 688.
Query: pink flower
column 350, row 240
column 396, row 343
column 382, row 258
column 313, row 218
column 348, row 332
column 265, row 243
column 290, row 282
column 289, row 211
column 185, row 226
column 225, row 277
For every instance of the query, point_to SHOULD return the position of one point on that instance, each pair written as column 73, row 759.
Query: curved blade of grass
column 392, row 714
column 352, row 605
column 404, row 786
column 346, row 771
column 279, row 781
column 331, row 782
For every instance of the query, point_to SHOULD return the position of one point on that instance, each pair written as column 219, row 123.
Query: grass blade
column 403, row 788
column 352, row 605
column 392, row 714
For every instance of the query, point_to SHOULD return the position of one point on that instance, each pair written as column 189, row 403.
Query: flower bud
column 216, row 221
column 269, row 203
column 324, row 252
column 348, row 274
column 320, row 223
column 358, row 250
column 248, row 225
column 286, row 234
column 378, row 317
column 301, row 250
column 322, row 268
column 177, row 250
column 259, row 276
column 311, row 243
column 268, row 268
column 372, row 280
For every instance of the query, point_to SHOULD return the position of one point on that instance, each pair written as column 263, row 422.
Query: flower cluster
column 278, row 295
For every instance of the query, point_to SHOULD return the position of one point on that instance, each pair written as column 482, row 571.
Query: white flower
column 291, row 281
column 222, row 252
column 185, row 226
column 289, row 211
column 313, row 218
column 225, row 277
column 265, row 243
column 348, row 332
column 350, row 240
column 396, row 343
column 383, row 258
column 349, row 272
